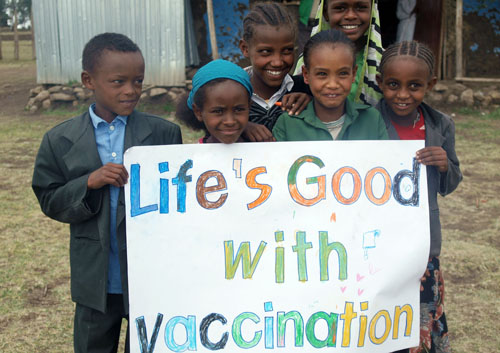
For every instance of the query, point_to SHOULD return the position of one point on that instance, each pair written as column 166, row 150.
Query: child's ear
column 87, row 80
column 305, row 74
column 244, row 48
column 432, row 82
column 354, row 71
column 379, row 80
column 197, row 112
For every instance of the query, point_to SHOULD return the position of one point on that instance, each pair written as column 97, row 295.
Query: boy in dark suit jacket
column 79, row 177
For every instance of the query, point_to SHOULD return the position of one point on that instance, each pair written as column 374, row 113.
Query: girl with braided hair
column 269, row 34
column 359, row 20
column 406, row 74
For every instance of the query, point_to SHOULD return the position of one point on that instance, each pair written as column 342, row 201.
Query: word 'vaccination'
column 275, row 334
column 213, row 181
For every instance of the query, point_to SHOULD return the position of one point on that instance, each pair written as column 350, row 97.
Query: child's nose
column 129, row 88
column 403, row 93
column 229, row 118
column 350, row 14
column 277, row 60
column 333, row 83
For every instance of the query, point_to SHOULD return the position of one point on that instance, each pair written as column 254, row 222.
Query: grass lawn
column 36, row 311
column 24, row 51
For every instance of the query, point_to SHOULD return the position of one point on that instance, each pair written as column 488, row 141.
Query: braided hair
column 408, row 48
column 267, row 13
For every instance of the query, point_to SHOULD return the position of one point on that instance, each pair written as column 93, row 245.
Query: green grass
column 36, row 311
column 25, row 53
column 483, row 115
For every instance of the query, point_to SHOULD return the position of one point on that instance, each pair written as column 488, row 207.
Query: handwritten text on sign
column 293, row 246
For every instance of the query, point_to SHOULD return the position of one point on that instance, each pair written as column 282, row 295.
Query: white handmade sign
column 276, row 246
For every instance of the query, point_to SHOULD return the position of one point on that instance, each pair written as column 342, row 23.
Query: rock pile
column 444, row 94
column 451, row 93
column 47, row 96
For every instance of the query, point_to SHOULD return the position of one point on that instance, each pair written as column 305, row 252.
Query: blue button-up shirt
column 109, row 138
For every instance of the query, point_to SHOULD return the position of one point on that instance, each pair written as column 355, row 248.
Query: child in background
column 359, row 20
column 79, row 177
column 330, row 69
column 269, row 34
column 219, row 102
column 406, row 74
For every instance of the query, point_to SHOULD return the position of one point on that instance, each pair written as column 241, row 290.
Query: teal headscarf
column 219, row 69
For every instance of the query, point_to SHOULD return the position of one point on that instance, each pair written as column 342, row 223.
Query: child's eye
column 344, row 73
column 338, row 8
column 139, row 81
column 265, row 51
column 415, row 86
column 117, row 81
column 362, row 8
column 320, row 73
column 216, row 111
column 392, row 85
column 288, row 51
column 240, row 109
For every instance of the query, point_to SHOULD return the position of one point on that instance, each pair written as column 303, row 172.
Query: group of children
column 343, row 74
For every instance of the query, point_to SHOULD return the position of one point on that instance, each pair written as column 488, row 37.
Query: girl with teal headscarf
column 218, row 103
column 359, row 20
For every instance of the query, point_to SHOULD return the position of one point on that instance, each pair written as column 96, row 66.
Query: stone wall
column 479, row 95
column 444, row 94
column 45, row 97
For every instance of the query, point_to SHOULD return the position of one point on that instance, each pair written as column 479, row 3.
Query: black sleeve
column 300, row 86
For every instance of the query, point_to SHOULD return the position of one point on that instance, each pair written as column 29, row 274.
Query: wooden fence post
column 211, row 28
column 33, row 48
column 16, row 36
column 459, row 40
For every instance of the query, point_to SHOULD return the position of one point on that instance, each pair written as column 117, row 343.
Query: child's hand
column 111, row 173
column 258, row 133
column 433, row 155
column 295, row 103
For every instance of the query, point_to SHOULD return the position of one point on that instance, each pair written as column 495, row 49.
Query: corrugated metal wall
column 62, row 27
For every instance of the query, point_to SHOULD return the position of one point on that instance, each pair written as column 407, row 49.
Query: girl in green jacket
column 330, row 70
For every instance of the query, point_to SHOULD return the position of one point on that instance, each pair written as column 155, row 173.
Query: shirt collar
column 96, row 119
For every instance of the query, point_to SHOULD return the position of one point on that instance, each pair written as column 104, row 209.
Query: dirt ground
column 16, row 80
column 470, row 218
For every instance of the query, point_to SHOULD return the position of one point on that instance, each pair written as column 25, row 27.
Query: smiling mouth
column 402, row 105
column 229, row 131
column 350, row 27
column 274, row 73
column 128, row 102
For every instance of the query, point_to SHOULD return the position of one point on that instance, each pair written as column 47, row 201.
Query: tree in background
column 18, row 12
column 4, row 17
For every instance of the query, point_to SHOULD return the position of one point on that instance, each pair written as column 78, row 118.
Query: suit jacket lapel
column 83, row 153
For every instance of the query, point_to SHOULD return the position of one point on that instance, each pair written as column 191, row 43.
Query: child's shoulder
column 153, row 120
column 438, row 118
column 70, row 126
column 361, row 109
column 160, row 130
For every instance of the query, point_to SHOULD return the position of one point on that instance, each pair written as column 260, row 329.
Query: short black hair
column 105, row 41
column 331, row 37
